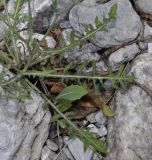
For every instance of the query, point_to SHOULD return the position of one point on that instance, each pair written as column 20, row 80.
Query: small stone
column 147, row 32
column 60, row 142
column 119, row 30
column 68, row 153
column 65, row 24
column 141, row 70
column 144, row 6
column 102, row 131
column 76, row 148
column 51, row 145
column 47, row 154
column 143, row 46
column 150, row 48
column 91, row 118
column 123, row 55
column 93, row 129
column 97, row 156
column 66, row 139
column 100, row 118
column 101, row 66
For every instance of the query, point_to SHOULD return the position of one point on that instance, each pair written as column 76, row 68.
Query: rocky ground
column 25, row 128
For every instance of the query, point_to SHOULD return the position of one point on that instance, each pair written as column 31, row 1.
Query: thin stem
column 47, row 74
column 51, row 52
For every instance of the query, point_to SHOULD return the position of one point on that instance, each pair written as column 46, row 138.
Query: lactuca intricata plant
column 22, row 69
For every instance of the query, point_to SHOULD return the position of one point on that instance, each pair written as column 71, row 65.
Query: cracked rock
column 141, row 70
column 144, row 6
column 123, row 55
column 77, row 150
column 124, row 29
column 130, row 132
column 24, row 127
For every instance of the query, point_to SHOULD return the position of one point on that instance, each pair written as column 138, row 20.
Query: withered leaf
column 57, row 87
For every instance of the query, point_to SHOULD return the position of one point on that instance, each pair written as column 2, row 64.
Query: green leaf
column 85, row 146
column 113, row 11
column 64, row 105
column 107, row 111
column 94, row 142
column 97, row 22
column 4, row 58
column 62, row 123
column 72, row 93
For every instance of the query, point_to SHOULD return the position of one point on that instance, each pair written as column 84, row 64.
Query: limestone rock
column 124, row 29
column 123, row 55
column 24, row 126
column 141, row 69
column 77, row 150
column 144, row 6
column 130, row 132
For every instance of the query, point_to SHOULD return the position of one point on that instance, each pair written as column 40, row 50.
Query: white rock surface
column 141, row 69
column 24, row 125
column 51, row 145
column 23, row 130
column 147, row 32
column 78, row 55
column 123, row 55
column 77, row 150
column 100, row 118
column 130, row 132
column 144, row 6
column 125, row 28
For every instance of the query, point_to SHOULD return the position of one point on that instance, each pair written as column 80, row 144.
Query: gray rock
column 23, row 130
column 43, row 12
column 149, row 47
column 123, row 55
column 147, row 32
column 23, row 48
column 65, row 24
column 93, row 129
column 77, row 55
column 130, row 133
column 120, row 30
column 144, row 6
column 100, row 118
column 66, row 139
column 51, row 145
column 102, row 131
column 45, row 16
column 24, row 125
column 47, row 154
column 141, row 69
column 91, row 118
column 143, row 46
column 77, row 150
column 97, row 156
column 101, row 66
column 68, row 153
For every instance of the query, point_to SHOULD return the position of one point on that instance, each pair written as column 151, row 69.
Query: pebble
column 76, row 148
column 51, row 145
column 100, row 118
column 91, row 118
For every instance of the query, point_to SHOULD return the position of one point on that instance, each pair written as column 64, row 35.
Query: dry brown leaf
column 89, row 103
column 57, row 87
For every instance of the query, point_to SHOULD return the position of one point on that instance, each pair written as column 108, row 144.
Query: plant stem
column 47, row 74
